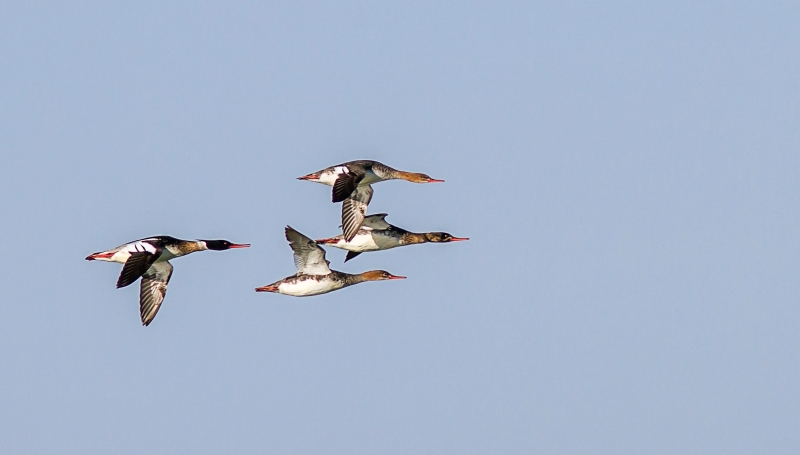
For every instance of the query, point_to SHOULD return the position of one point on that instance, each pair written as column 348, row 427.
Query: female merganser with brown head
column 376, row 235
column 149, row 259
column 313, row 276
column 352, row 182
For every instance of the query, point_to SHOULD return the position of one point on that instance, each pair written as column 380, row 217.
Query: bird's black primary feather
column 344, row 186
column 135, row 267
column 351, row 255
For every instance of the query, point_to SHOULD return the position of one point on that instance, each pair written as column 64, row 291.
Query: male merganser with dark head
column 352, row 182
column 376, row 235
column 313, row 276
column 149, row 258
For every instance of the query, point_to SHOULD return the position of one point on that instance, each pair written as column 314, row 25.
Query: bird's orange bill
column 240, row 245
column 396, row 277
column 270, row 288
column 458, row 239
column 308, row 177
column 435, row 181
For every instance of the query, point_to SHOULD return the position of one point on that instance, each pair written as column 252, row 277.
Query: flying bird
column 149, row 259
column 376, row 234
column 352, row 185
column 313, row 276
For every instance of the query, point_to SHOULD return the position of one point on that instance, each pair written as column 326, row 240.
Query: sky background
column 627, row 174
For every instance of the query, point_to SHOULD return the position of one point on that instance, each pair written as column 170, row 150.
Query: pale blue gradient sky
column 628, row 175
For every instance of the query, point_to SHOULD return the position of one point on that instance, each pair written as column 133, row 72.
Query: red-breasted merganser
column 376, row 235
column 313, row 274
column 352, row 182
column 149, row 259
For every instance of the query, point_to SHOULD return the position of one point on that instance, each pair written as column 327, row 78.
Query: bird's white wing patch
column 140, row 247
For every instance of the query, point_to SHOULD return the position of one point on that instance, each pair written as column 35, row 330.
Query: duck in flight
column 352, row 185
column 376, row 234
column 149, row 259
column 313, row 275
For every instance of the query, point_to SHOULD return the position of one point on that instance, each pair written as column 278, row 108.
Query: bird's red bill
column 99, row 256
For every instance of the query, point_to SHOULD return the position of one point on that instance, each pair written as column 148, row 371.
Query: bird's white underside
column 308, row 287
column 363, row 241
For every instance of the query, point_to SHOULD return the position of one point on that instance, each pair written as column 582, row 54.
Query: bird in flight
column 149, row 259
column 313, row 275
column 376, row 234
column 352, row 185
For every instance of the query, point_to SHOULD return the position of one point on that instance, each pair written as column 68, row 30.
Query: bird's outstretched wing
column 345, row 184
column 353, row 210
column 309, row 258
column 153, row 289
column 136, row 265
column 376, row 222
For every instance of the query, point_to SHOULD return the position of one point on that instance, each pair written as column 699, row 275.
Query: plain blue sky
column 627, row 174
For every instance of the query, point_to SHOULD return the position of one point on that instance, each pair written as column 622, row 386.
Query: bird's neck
column 408, row 176
column 350, row 280
column 190, row 246
column 385, row 172
column 411, row 238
